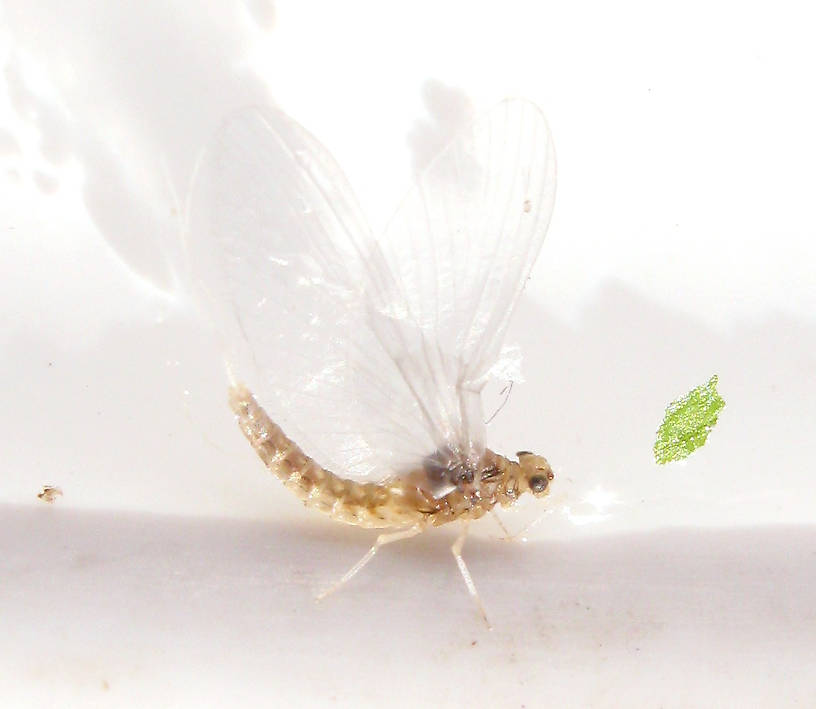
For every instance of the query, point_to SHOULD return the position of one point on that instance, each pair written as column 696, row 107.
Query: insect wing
column 372, row 355
column 460, row 250
column 283, row 257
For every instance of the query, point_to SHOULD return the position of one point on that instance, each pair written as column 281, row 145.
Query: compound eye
column 538, row 484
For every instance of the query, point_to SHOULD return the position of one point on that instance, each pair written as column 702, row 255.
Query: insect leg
column 507, row 536
column 522, row 535
column 456, row 550
column 382, row 540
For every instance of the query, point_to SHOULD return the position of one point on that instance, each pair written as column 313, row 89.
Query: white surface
column 682, row 245
column 142, row 610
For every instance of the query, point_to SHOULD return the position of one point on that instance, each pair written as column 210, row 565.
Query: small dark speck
column 473, row 644
column 50, row 364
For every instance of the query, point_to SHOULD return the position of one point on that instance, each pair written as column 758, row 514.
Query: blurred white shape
column 593, row 507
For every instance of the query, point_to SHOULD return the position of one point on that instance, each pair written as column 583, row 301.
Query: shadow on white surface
column 449, row 111
column 141, row 610
column 156, row 79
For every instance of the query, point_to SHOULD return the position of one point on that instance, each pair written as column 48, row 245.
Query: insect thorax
column 448, row 471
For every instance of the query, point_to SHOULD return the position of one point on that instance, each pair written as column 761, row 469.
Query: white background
column 176, row 571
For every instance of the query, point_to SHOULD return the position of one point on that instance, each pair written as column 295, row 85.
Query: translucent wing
column 460, row 249
column 370, row 354
column 281, row 250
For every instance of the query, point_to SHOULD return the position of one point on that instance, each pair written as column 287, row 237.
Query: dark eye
column 538, row 483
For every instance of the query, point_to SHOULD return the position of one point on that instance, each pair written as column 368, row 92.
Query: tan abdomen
column 363, row 504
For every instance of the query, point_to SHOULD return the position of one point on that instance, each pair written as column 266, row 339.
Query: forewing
column 287, row 264
column 459, row 251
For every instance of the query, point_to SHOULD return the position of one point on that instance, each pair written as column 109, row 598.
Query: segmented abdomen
column 363, row 504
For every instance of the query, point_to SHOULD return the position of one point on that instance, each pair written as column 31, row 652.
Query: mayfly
column 357, row 364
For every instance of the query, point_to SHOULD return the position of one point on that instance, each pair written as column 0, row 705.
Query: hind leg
column 382, row 540
column 456, row 550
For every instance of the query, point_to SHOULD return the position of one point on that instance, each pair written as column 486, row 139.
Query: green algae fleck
column 687, row 422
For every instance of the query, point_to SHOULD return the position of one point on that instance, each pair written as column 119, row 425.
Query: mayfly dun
column 357, row 364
